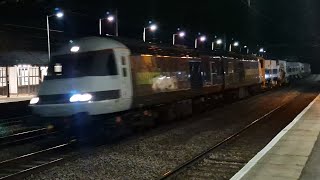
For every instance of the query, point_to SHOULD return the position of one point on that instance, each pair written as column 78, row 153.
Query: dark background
column 287, row 29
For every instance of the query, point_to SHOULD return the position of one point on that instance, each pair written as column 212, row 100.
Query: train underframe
column 145, row 117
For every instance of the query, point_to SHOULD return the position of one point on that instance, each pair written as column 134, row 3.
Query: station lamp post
column 262, row 51
column 247, row 48
column 234, row 44
column 217, row 42
column 201, row 38
column 58, row 14
column 181, row 34
column 151, row 27
column 110, row 19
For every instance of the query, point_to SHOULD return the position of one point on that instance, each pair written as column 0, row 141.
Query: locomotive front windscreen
column 94, row 63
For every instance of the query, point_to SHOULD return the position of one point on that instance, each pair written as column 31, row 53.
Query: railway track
column 13, row 121
column 24, row 137
column 205, row 155
column 17, row 167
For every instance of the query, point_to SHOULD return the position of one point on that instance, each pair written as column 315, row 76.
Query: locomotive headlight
column 34, row 100
column 85, row 97
column 80, row 97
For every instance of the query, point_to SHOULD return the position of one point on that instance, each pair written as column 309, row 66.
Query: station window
column 28, row 75
column 3, row 75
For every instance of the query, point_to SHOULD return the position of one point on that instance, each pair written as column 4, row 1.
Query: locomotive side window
column 111, row 65
column 123, row 60
column 124, row 72
column 230, row 68
column 214, row 69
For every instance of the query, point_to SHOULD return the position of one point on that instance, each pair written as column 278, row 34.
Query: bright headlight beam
column 34, row 100
column 75, row 98
column 75, row 49
column 80, row 97
column 85, row 97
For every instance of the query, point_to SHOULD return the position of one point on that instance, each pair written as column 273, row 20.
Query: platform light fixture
column 181, row 34
column 234, row 44
column 111, row 18
column 59, row 14
column 261, row 50
column 202, row 38
column 247, row 48
column 219, row 41
column 151, row 27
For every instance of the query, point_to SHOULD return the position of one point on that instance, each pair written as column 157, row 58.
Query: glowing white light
column 219, row 41
column 261, row 50
column 59, row 14
column 236, row 44
column 75, row 49
column 34, row 100
column 153, row 27
column 80, row 97
column 85, row 97
column 75, row 98
column 245, row 46
column 110, row 18
column 203, row 38
column 182, row 34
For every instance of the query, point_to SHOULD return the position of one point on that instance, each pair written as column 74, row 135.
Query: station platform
column 293, row 154
column 14, row 98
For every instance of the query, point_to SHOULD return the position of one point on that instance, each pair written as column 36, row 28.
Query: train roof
column 95, row 43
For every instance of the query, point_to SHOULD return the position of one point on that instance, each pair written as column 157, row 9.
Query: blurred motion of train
column 279, row 71
column 96, row 76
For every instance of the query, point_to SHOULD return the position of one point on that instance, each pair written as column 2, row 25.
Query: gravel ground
column 159, row 150
column 228, row 159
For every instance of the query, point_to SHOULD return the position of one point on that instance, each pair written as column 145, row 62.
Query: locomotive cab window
column 93, row 63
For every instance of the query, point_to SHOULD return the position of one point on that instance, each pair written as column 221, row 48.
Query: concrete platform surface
column 293, row 154
column 14, row 98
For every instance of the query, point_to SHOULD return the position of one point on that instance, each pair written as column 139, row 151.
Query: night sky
column 286, row 28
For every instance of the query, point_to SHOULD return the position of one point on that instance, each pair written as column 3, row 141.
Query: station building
column 23, row 59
